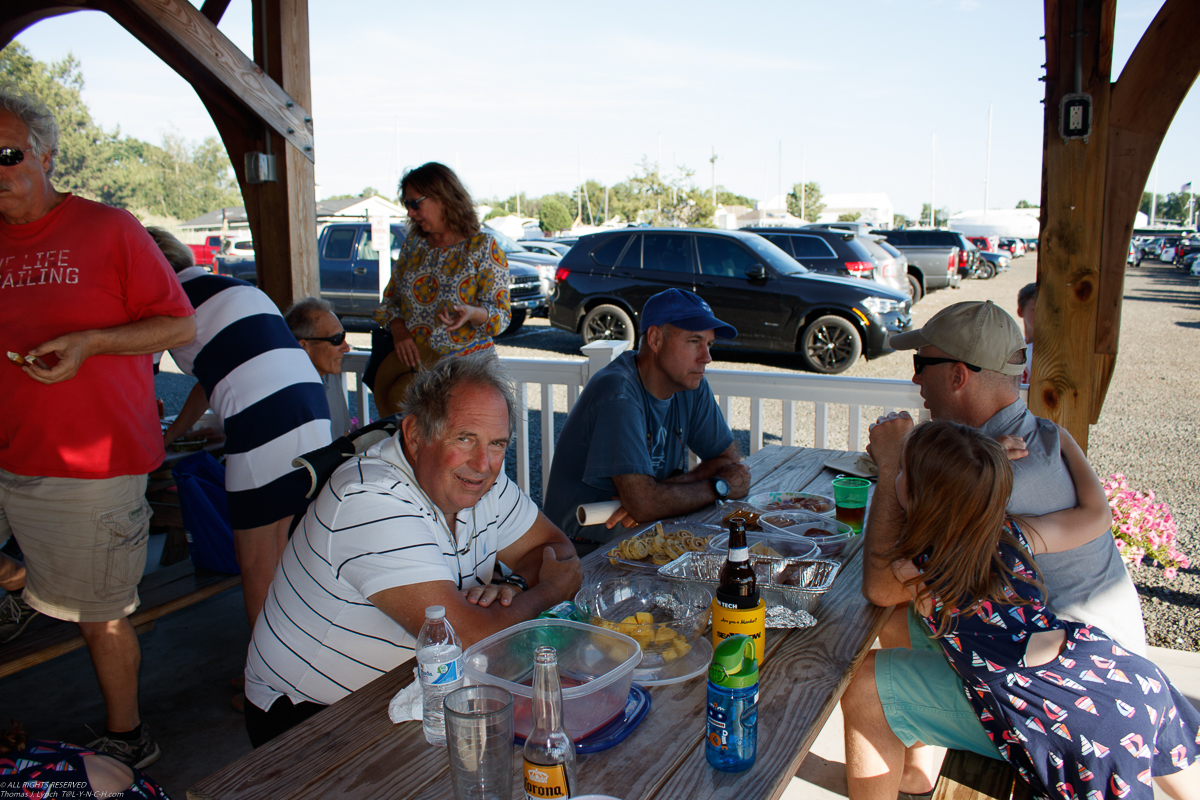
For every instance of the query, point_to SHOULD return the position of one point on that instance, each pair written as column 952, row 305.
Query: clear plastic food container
column 770, row 543
column 830, row 535
column 595, row 666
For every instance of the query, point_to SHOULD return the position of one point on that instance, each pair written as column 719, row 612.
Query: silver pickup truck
column 933, row 257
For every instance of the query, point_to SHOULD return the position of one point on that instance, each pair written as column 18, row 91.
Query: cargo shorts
column 84, row 542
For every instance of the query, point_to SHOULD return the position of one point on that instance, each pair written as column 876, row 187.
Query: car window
column 632, row 259
column 723, row 258
column 367, row 252
column 886, row 246
column 780, row 240
column 666, row 252
column 777, row 259
column 859, row 250
column 340, row 243
column 609, row 251
column 507, row 244
column 811, row 247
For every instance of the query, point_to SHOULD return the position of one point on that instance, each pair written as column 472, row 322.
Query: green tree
column 813, row 204
column 852, row 217
column 1147, row 201
column 1175, row 207
column 728, row 198
column 176, row 179
column 943, row 216
column 553, row 215
column 900, row 221
column 1025, row 204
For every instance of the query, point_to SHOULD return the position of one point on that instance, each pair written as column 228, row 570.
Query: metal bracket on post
column 260, row 168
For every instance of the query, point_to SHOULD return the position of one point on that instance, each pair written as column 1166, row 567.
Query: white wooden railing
column 797, row 393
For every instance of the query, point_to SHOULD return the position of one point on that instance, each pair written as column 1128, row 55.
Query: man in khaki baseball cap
column 968, row 362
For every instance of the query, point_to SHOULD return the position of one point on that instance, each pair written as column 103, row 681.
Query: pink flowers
column 1143, row 528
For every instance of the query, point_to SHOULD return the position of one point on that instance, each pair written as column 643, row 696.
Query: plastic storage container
column 829, row 535
column 595, row 665
column 786, row 545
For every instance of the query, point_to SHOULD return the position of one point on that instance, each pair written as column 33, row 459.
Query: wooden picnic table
column 352, row 748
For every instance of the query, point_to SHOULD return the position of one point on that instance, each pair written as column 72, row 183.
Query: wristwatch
column 721, row 488
column 513, row 579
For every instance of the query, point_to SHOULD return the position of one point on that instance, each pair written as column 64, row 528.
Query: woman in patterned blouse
column 448, row 295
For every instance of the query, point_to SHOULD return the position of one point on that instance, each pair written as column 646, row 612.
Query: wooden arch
column 1091, row 192
column 257, row 106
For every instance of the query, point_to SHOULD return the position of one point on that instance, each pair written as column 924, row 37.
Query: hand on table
column 887, row 438
column 484, row 596
column 564, row 574
column 406, row 351
column 622, row 516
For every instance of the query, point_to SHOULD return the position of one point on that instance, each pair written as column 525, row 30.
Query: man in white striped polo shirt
column 421, row 519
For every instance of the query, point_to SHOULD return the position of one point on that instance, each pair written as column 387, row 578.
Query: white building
column 1019, row 223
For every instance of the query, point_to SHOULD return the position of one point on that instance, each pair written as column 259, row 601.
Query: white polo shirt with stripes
column 371, row 528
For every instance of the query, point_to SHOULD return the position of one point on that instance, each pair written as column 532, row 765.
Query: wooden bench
column 970, row 776
column 161, row 592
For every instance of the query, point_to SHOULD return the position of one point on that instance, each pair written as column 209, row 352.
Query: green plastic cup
column 850, row 497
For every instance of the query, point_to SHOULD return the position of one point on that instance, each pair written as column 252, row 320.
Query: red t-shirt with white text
column 80, row 267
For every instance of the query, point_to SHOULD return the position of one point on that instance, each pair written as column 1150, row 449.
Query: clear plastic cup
column 479, row 737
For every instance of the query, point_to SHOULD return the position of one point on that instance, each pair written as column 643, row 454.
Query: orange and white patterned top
column 426, row 280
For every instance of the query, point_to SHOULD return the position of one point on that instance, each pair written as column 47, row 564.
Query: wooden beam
column 17, row 15
column 213, row 10
column 1152, row 86
column 1067, row 372
column 183, row 38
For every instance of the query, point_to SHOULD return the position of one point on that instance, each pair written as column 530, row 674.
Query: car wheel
column 914, row 287
column 986, row 271
column 830, row 345
column 516, row 320
column 607, row 322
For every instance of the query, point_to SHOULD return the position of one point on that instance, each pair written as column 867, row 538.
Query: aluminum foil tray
column 813, row 577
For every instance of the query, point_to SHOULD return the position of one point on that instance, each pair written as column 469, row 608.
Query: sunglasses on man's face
column 411, row 205
column 921, row 362
column 335, row 340
column 11, row 156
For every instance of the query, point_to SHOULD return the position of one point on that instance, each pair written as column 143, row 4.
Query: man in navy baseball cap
column 627, row 437
column 684, row 310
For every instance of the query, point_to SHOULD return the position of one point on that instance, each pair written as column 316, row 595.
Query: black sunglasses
column 411, row 205
column 921, row 362
column 335, row 340
column 11, row 156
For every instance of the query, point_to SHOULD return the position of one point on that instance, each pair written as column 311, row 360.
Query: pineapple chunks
column 663, row 639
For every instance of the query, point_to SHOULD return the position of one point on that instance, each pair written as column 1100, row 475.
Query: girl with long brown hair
column 1076, row 715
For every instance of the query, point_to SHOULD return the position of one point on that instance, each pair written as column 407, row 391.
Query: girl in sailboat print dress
column 1079, row 717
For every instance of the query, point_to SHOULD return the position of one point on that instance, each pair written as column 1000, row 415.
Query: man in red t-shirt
column 85, row 298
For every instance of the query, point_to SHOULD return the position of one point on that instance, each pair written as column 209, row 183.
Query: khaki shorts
column 84, row 542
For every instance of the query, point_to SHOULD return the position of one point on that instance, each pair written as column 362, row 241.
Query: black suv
column 968, row 253
column 821, row 250
column 773, row 301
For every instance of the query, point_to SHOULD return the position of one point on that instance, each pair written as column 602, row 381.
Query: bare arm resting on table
column 543, row 556
column 132, row 339
column 193, row 409
column 644, row 498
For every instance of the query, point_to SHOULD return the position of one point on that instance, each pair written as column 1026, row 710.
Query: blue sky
column 532, row 95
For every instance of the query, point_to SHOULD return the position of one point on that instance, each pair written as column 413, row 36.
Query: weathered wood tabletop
column 352, row 748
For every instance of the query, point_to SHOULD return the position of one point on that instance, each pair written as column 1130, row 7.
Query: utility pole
column 932, row 180
column 803, row 164
column 779, row 186
column 1154, row 196
column 713, row 161
column 987, row 175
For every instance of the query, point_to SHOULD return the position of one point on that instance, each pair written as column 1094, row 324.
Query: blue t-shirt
column 618, row 428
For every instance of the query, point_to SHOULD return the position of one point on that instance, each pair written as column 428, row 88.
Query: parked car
column 985, row 243
column 1184, row 249
column 544, row 264
column 1015, row 247
column 348, row 265
column 545, row 247
column 934, row 260
column 232, row 256
column 992, row 263
column 891, row 266
column 1134, row 258
column 820, row 249
column 774, row 302
column 204, row 254
column 1030, row 245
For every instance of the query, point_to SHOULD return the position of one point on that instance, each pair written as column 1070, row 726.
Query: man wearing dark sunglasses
column 85, row 298
column 319, row 332
column 968, row 361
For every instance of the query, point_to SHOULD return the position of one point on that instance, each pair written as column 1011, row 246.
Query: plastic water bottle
column 440, row 669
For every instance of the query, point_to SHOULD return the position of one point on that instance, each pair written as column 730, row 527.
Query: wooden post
column 1068, row 374
column 283, row 214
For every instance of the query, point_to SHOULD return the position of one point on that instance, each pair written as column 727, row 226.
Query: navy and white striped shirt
column 259, row 381
column 371, row 528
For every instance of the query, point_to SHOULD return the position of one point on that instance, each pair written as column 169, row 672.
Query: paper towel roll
column 596, row 513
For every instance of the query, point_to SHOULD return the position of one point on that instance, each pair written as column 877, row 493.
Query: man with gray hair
column 426, row 517
column 85, row 299
column 322, row 336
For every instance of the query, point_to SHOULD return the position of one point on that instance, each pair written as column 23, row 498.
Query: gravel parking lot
column 1148, row 429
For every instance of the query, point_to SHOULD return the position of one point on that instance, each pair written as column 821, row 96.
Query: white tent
column 1020, row 223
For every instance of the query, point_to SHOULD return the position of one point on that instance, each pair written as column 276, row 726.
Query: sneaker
column 139, row 753
column 15, row 614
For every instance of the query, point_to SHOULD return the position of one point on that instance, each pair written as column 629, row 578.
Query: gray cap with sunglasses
column 979, row 334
